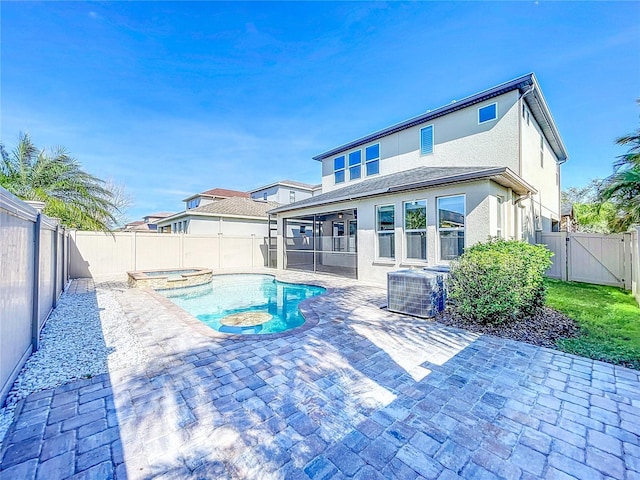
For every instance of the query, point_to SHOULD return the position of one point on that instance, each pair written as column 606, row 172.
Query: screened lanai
column 324, row 243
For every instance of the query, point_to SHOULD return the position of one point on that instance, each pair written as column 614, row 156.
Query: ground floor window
column 415, row 228
column 385, row 229
column 451, row 225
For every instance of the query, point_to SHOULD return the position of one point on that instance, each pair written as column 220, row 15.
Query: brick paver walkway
column 362, row 393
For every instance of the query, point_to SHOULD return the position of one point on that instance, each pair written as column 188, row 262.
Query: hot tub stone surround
column 199, row 276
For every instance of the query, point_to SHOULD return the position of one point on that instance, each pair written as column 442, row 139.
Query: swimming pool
column 246, row 304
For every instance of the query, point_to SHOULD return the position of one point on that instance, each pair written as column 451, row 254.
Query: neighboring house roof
column 285, row 183
column 219, row 192
column 416, row 178
column 526, row 84
column 229, row 207
column 566, row 210
column 159, row 215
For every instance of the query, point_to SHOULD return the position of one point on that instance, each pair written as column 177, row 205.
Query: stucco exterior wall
column 281, row 194
column 480, row 223
column 205, row 225
column 544, row 176
column 458, row 141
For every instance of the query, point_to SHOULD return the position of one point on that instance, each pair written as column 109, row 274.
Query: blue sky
column 171, row 99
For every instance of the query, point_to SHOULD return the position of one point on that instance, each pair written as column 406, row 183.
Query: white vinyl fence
column 596, row 258
column 33, row 274
column 96, row 254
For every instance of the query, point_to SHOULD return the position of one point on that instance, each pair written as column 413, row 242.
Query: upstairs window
column 487, row 113
column 338, row 169
column 292, row 196
column 264, row 196
column 194, row 203
column 355, row 165
column 372, row 159
column 426, row 140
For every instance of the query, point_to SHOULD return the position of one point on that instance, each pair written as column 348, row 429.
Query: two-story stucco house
column 284, row 192
column 418, row 192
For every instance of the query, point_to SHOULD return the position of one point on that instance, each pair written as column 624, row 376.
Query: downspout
column 518, row 202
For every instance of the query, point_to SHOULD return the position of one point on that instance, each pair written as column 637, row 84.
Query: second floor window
column 372, row 159
column 292, row 196
column 338, row 169
column 488, row 113
column 355, row 165
column 194, row 203
column 426, row 140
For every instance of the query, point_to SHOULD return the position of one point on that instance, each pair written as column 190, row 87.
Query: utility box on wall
column 416, row 292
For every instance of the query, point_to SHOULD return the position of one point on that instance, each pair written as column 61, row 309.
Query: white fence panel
column 595, row 258
column 557, row 243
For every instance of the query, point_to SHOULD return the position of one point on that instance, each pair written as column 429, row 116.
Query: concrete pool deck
column 362, row 393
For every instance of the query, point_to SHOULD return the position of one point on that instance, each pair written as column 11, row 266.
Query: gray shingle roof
column 416, row 178
column 291, row 183
column 244, row 207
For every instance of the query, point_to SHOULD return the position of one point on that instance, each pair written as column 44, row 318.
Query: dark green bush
column 499, row 281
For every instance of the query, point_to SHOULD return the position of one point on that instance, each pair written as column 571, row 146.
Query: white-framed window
column 487, row 113
column 372, row 159
column 451, row 225
column 292, row 196
column 193, row 203
column 415, row 229
column 338, row 169
column 426, row 140
column 355, row 165
column 264, row 196
column 385, row 229
column 499, row 215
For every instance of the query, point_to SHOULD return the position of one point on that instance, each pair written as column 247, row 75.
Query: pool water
column 246, row 304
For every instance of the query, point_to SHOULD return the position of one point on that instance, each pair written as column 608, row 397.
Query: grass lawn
column 609, row 319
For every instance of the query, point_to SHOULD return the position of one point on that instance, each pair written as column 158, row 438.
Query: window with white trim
column 487, row 113
column 415, row 229
column 292, row 196
column 451, row 225
column 372, row 159
column 426, row 140
column 355, row 165
column 385, row 229
column 338, row 169
column 264, row 196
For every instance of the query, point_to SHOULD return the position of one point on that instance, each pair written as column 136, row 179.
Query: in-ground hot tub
column 170, row 278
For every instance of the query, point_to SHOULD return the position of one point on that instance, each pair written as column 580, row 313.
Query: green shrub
column 499, row 281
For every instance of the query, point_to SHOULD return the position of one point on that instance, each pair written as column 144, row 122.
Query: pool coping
column 311, row 318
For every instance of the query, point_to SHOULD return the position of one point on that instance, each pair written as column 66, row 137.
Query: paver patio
column 357, row 393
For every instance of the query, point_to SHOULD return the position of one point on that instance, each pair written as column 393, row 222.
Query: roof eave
column 520, row 83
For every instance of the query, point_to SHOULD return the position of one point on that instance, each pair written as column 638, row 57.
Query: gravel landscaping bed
column 542, row 329
column 86, row 335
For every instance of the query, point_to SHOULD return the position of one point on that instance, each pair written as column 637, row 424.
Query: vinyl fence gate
column 591, row 258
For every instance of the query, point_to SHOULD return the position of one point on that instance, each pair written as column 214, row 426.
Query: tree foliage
column 622, row 188
column 77, row 198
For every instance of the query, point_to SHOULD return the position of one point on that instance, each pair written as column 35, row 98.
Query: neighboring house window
column 372, row 159
column 264, row 196
column 194, row 203
column 451, row 220
column 488, row 113
column 338, row 169
column 426, row 140
column 385, row 228
column 355, row 165
column 541, row 151
column 415, row 228
column 292, row 196
column 499, row 208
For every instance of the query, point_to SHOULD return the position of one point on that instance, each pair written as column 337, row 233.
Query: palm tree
column 77, row 198
column 623, row 187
